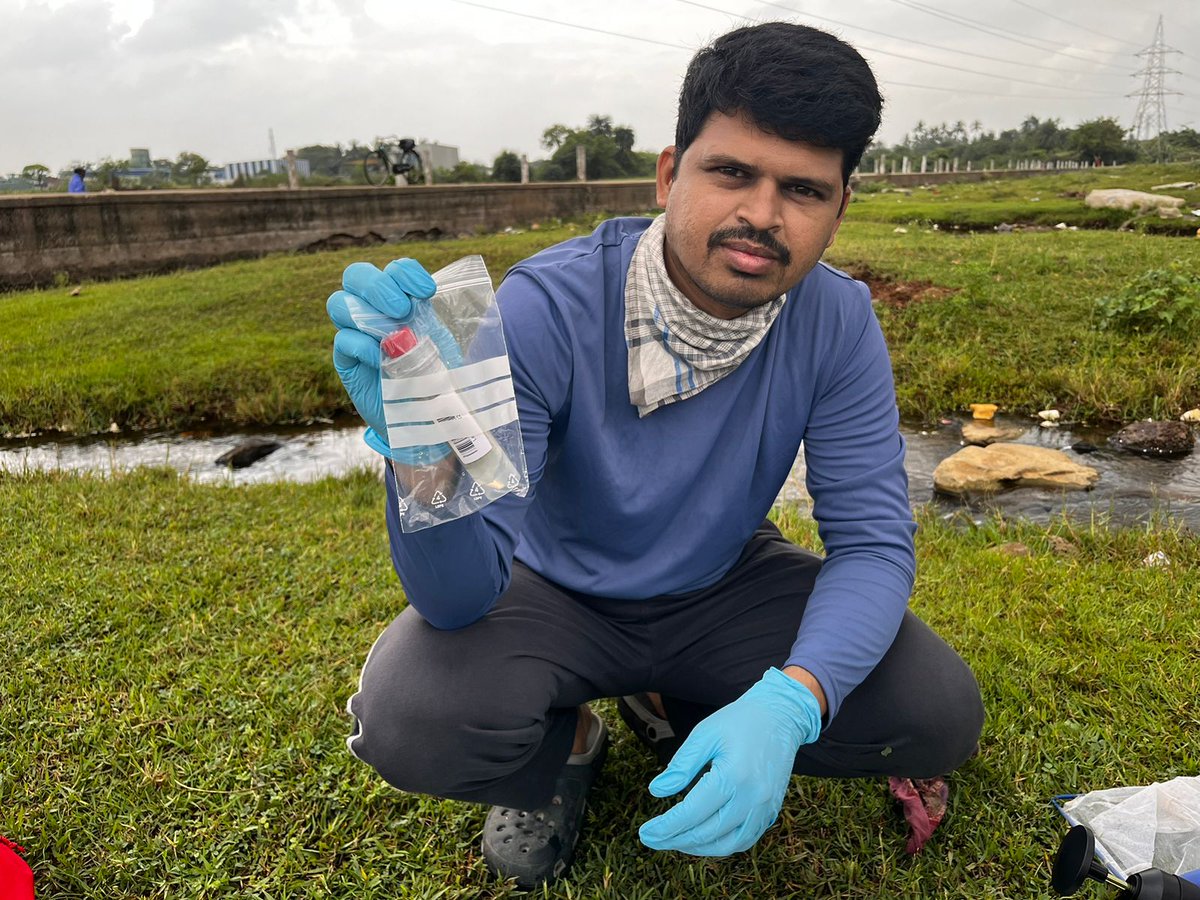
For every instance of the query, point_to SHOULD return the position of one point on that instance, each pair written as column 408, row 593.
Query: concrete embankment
column 44, row 237
column 107, row 235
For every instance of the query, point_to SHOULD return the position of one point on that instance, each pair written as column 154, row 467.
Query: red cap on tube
column 399, row 342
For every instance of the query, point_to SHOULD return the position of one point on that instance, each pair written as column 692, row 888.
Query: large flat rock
column 1003, row 465
column 1121, row 198
column 984, row 433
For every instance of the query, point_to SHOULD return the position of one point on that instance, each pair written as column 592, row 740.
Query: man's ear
column 846, row 194
column 664, row 176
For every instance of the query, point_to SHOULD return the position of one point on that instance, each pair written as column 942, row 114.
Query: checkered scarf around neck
column 676, row 350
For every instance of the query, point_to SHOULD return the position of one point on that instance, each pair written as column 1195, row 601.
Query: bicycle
column 379, row 167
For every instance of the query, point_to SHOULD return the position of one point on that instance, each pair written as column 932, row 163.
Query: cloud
column 194, row 26
column 211, row 77
column 79, row 39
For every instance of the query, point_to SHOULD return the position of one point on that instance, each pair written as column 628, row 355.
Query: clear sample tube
column 484, row 460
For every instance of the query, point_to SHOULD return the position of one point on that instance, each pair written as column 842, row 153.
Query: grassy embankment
column 248, row 343
column 180, row 655
column 1037, row 201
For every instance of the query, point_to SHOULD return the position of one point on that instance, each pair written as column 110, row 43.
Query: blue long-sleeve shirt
column 630, row 508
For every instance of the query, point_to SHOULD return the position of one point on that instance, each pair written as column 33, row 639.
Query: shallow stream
column 1130, row 490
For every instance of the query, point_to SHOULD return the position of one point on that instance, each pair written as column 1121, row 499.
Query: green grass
column 242, row 343
column 1038, row 200
column 966, row 215
column 1079, row 181
column 178, row 657
column 1019, row 325
column 248, row 343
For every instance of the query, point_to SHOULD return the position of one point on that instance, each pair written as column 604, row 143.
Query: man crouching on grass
column 666, row 372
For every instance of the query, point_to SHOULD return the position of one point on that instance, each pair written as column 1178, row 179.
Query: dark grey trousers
column 487, row 713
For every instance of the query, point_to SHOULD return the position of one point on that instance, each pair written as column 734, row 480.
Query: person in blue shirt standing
column 666, row 373
column 76, row 185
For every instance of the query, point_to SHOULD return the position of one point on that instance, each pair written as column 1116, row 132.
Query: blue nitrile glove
column 751, row 744
column 395, row 292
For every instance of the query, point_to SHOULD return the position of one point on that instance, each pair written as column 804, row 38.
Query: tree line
column 1102, row 139
column 611, row 154
column 609, row 147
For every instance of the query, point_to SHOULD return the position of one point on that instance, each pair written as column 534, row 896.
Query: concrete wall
column 118, row 234
column 915, row 179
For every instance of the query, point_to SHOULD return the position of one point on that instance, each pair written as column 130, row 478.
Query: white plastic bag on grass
column 1156, row 826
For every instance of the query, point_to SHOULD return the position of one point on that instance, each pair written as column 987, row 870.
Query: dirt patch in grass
column 892, row 292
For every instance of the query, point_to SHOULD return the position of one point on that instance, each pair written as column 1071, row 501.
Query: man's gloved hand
column 751, row 744
column 394, row 292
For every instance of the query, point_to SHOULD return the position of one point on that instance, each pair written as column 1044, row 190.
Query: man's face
column 748, row 213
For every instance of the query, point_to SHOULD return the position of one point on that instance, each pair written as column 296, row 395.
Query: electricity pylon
column 1150, row 120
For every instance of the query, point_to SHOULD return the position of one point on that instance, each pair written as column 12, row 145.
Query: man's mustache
column 749, row 233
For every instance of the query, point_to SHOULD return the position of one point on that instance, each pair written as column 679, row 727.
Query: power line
column 906, row 40
column 1038, row 9
column 683, row 47
column 631, row 37
column 1175, row 27
column 929, row 62
column 723, row 12
column 927, row 87
column 993, row 94
column 995, row 31
column 1097, row 94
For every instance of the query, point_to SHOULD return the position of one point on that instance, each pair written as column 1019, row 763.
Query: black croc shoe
column 535, row 846
column 651, row 729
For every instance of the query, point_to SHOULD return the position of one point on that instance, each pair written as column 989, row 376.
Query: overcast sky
column 89, row 79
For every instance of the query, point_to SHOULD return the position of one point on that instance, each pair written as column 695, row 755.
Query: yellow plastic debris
column 985, row 411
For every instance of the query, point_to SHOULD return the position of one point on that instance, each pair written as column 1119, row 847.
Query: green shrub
column 1157, row 300
column 871, row 187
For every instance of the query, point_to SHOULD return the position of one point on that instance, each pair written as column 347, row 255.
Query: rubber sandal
column 536, row 846
column 654, row 732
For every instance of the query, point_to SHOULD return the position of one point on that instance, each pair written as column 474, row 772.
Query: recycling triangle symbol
column 512, row 480
column 402, row 506
column 439, row 499
column 476, row 491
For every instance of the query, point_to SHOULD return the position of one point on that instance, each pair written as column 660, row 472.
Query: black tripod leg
column 1155, row 884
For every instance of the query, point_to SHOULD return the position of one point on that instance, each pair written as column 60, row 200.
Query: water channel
column 1130, row 490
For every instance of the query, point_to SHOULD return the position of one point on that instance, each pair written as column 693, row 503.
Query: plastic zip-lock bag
column 448, row 399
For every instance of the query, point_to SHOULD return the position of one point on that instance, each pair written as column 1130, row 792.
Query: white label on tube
column 471, row 448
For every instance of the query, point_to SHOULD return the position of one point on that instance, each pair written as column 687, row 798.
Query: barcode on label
column 471, row 447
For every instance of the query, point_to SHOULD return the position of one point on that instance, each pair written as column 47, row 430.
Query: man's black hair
column 80, row 171
column 800, row 83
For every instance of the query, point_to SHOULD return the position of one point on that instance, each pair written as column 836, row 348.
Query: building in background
column 437, row 156
column 142, row 168
column 230, row 172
